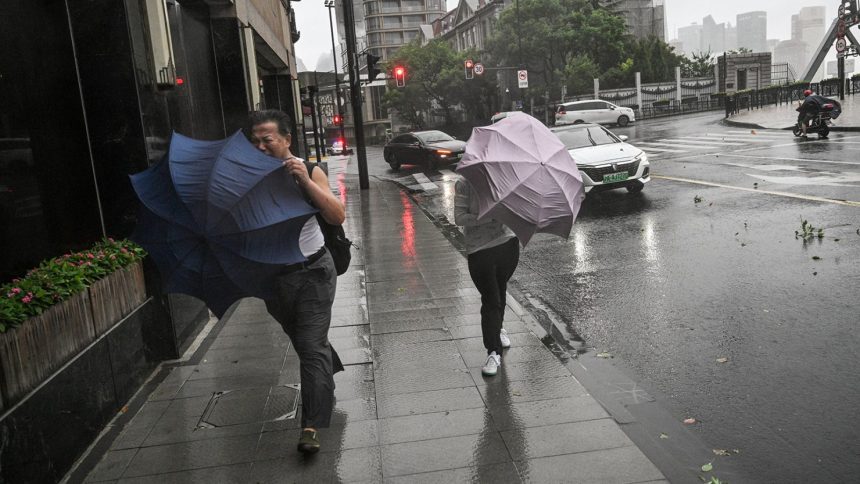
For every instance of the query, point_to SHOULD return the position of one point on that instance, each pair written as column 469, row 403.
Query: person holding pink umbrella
column 518, row 179
column 493, row 253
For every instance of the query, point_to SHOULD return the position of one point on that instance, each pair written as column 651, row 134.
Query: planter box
column 116, row 296
column 34, row 350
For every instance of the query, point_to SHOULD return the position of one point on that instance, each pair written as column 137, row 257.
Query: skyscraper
column 752, row 31
column 691, row 38
column 808, row 27
column 391, row 24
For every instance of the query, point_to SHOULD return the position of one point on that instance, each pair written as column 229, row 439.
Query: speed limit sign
column 479, row 68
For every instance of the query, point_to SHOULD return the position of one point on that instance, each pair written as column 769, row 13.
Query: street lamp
column 330, row 4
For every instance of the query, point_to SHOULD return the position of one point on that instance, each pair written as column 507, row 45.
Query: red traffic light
column 469, row 64
column 400, row 76
column 337, row 120
column 399, row 71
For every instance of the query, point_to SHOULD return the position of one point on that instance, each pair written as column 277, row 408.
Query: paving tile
column 407, row 324
column 344, row 411
column 449, row 453
column 352, row 435
column 292, row 467
column 566, row 438
column 523, row 370
column 408, row 315
column 436, row 354
column 186, row 431
column 112, row 465
column 434, row 425
column 410, row 337
column 358, row 465
column 412, row 380
column 349, row 332
column 279, row 341
column 198, row 388
column 355, row 356
column 245, row 329
column 185, row 408
column 518, row 340
column 237, row 367
column 531, row 390
column 546, row 412
column 355, row 382
column 503, row 473
column 349, row 317
column 192, row 455
column 138, row 428
column 351, row 342
column 474, row 317
column 514, row 354
column 428, row 402
column 474, row 330
column 613, row 466
column 243, row 353
column 233, row 474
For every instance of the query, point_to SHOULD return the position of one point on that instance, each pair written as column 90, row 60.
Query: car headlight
column 641, row 157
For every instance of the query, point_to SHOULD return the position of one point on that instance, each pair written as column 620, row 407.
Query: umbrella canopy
column 523, row 177
column 220, row 219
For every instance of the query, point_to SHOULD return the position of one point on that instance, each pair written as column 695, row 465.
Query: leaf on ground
column 689, row 421
column 707, row 467
column 401, row 289
column 124, row 409
column 516, row 394
column 664, row 436
column 815, row 257
column 604, row 355
column 722, row 360
column 752, row 131
column 722, row 452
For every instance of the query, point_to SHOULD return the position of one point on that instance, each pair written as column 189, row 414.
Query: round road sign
column 479, row 68
column 840, row 45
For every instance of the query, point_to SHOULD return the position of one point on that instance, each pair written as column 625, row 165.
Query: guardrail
column 777, row 95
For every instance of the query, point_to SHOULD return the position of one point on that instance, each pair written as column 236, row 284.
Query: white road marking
column 425, row 182
column 690, row 140
column 677, row 145
column 778, row 158
column 755, row 190
column 757, row 133
column 733, row 139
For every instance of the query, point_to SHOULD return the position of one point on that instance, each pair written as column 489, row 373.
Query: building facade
column 644, row 18
column 752, row 31
column 390, row 24
column 738, row 72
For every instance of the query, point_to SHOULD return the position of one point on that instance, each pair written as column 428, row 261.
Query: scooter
column 820, row 124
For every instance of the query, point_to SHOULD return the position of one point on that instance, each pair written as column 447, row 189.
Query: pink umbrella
column 523, row 177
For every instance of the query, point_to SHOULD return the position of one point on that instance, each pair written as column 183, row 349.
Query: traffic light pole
column 312, row 91
column 355, row 93
column 336, row 77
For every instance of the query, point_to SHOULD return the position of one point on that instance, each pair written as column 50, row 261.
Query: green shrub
column 57, row 279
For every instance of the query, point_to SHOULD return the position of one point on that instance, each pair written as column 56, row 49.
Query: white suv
column 596, row 111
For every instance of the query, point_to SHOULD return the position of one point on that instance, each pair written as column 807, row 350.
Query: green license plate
column 615, row 177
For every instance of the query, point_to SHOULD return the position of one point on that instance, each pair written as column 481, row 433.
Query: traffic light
column 470, row 69
column 337, row 120
column 400, row 76
column 372, row 70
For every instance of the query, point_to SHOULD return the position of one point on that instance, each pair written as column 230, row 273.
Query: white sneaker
column 491, row 367
column 506, row 342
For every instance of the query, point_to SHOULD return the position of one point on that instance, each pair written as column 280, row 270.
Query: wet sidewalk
column 412, row 405
column 784, row 116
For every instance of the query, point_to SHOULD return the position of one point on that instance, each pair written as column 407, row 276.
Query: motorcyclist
column 810, row 107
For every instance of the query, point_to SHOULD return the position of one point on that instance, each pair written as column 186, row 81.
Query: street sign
column 523, row 78
column 840, row 45
column 478, row 68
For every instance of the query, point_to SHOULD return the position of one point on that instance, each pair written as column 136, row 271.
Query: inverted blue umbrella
column 220, row 219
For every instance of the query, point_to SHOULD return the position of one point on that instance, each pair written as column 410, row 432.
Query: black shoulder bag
column 335, row 238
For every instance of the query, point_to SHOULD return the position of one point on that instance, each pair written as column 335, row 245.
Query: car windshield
column 433, row 136
column 585, row 137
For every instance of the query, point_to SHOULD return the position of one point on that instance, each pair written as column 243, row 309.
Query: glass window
column 433, row 136
column 584, row 137
column 403, row 138
column 391, row 22
column 393, row 38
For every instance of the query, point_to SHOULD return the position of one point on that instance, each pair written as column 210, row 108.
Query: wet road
column 714, row 307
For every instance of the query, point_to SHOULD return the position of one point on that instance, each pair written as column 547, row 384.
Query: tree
column 579, row 74
column 700, row 65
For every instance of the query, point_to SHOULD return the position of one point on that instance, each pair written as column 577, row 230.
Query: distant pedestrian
column 493, row 253
column 306, row 290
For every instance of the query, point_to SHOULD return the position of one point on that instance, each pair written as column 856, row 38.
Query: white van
column 593, row 111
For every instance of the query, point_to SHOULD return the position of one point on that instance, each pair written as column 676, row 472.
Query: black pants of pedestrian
column 303, row 308
column 491, row 269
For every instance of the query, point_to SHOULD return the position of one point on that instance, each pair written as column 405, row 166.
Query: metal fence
column 776, row 95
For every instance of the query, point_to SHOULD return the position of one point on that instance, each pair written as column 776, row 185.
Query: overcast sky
column 312, row 19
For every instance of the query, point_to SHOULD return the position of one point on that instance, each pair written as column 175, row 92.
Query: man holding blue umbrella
column 305, row 290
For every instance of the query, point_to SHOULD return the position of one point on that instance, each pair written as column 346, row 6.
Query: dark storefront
column 84, row 103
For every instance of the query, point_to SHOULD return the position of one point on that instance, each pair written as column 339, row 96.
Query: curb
column 741, row 124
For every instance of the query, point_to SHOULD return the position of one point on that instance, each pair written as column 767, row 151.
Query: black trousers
column 303, row 308
column 491, row 269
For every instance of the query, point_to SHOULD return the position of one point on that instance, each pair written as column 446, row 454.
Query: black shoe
column 309, row 443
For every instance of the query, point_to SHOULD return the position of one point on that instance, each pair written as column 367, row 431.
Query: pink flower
column 90, row 255
column 124, row 250
column 112, row 257
column 111, row 240
column 16, row 290
column 26, row 299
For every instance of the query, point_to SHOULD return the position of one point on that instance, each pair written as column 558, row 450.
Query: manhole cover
column 251, row 405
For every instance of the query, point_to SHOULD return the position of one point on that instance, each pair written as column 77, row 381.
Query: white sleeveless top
column 311, row 238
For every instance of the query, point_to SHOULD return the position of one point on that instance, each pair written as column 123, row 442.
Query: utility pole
column 312, row 91
column 355, row 93
column 330, row 5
